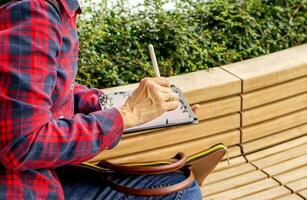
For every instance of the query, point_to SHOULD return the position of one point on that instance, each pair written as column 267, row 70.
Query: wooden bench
column 258, row 108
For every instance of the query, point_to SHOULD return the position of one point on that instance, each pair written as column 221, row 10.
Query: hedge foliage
column 195, row 35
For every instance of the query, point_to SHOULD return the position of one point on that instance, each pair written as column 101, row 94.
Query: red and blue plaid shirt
column 46, row 119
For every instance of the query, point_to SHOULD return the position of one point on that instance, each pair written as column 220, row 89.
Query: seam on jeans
column 179, row 194
column 129, row 197
column 160, row 185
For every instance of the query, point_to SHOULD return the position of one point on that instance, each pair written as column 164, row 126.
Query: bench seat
column 258, row 108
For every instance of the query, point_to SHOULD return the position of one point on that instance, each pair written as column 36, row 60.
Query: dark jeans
column 90, row 185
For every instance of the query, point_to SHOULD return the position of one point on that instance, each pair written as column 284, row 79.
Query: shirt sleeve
column 86, row 100
column 29, row 137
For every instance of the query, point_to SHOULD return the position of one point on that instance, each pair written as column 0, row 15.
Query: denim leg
column 92, row 186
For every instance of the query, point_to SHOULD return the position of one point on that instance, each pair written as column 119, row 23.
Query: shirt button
column 72, row 86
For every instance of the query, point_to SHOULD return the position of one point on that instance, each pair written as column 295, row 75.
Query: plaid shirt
column 46, row 119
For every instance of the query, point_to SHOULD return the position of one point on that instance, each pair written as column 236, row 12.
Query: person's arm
column 29, row 136
column 86, row 100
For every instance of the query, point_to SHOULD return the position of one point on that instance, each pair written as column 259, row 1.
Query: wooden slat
column 274, row 93
column 231, row 171
column 232, row 162
column 276, row 138
column 292, row 175
column 207, row 84
column 232, row 151
column 191, row 147
column 286, row 165
column 274, row 125
column 199, row 86
column 271, row 69
column 164, row 137
column 298, row 185
column 303, row 193
column 281, row 157
column 271, row 193
column 219, row 107
column 290, row 197
column 277, row 149
column 231, row 183
column 275, row 109
column 244, row 190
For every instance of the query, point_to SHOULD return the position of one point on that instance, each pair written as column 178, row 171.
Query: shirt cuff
column 112, row 126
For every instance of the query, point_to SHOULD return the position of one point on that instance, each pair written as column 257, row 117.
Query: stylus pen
column 154, row 60
column 156, row 69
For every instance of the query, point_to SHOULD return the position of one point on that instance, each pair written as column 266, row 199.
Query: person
column 47, row 120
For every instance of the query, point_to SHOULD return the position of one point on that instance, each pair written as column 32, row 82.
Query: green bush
column 195, row 35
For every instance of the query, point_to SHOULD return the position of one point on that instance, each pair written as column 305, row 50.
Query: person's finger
column 164, row 89
column 165, row 96
column 173, row 97
column 169, row 96
column 167, row 93
column 195, row 108
column 154, row 92
column 171, row 105
column 161, row 81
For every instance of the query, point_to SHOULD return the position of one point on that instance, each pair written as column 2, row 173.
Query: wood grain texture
column 190, row 148
column 281, row 157
column 277, row 149
column 274, row 125
column 274, row 139
column 271, row 69
column 303, row 193
column 274, row 93
column 272, row 193
column 298, row 185
column 290, row 197
column 207, row 85
column 275, row 109
column 131, row 143
column 219, row 107
column 229, row 172
column 292, row 175
column 245, row 190
column 233, row 182
column 286, row 165
column 199, row 86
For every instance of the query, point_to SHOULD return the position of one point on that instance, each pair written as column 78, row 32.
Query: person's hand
column 151, row 99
